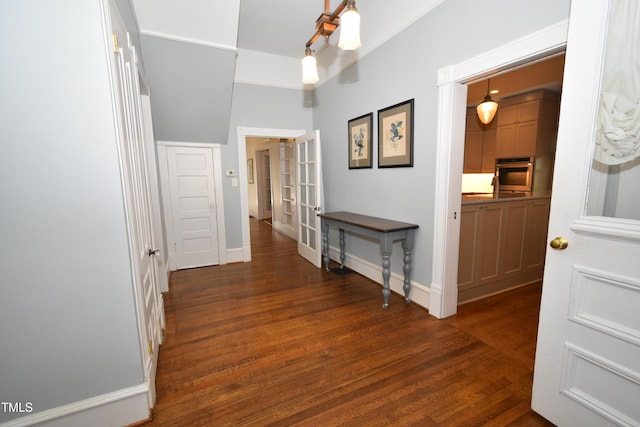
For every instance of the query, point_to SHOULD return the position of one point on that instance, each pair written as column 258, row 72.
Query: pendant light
column 350, row 28
column 309, row 68
column 487, row 110
column 326, row 24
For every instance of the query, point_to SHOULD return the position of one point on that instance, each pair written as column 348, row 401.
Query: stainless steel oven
column 514, row 174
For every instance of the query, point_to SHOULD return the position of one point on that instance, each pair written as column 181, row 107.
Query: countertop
column 503, row 196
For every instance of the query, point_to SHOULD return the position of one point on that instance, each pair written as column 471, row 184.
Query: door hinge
column 115, row 43
column 150, row 345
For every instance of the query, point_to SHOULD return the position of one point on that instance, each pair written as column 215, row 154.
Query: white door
column 137, row 201
column 587, row 369
column 310, row 196
column 193, row 207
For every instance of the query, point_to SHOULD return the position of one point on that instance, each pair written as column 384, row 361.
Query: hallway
column 279, row 342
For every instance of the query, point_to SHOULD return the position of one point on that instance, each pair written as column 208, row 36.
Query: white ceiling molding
column 188, row 40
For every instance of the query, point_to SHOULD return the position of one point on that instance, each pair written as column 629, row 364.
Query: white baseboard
column 420, row 294
column 436, row 296
column 118, row 408
column 165, row 276
column 235, row 255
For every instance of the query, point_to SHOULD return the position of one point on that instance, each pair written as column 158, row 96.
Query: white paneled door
column 193, row 207
column 310, row 196
column 587, row 368
column 131, row 149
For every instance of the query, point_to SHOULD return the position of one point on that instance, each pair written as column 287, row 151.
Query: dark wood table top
column 369, row 222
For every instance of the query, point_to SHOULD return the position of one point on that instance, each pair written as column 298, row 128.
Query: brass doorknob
column 559, row 243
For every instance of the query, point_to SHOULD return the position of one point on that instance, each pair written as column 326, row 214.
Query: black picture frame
column 395, row 135
column 360, row 142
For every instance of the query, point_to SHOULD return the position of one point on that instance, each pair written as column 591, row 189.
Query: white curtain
column 618, row 131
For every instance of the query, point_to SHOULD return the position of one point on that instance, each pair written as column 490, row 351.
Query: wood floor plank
column 278, row 342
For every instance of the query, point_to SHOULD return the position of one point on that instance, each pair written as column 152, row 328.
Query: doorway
column 244, row 138
column 193, row 203
column 452, row 101
column 502, row 245
column 271, row 179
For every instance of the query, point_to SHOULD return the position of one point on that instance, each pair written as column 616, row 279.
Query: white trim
column 163, row 168
column 420, row 294
column 575, row 386
column 121, row 407
column 219, row 188
column 536, row 45
column 187, row 40
column 242, row 134
column 235, row 255
column 446, row 221
column 163, row 165
column 625, row 230
column 541, row 43
column 162, row 283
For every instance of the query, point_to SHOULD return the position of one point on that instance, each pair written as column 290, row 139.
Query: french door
column 587, row 368
column 310, row 199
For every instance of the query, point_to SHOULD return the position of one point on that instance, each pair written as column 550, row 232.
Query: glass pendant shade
column 487, row 110
column 350, row 30
column 309, row 69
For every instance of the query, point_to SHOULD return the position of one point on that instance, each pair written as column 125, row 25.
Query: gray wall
column 68, row 328
column 257, row 107
column 191, row 88
column 403, row 68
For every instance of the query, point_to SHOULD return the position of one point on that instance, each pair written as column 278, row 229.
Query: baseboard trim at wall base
column 435, row 298
column 246, row 249
column 235, row 255
column 420, row 294
column 469, row 294
column 119, row 408
column 287, row 230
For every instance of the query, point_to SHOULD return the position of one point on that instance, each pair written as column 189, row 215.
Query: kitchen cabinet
column 535, row 237
column 479, row 145
column 527, row 125
column 502, row 245
column 480, row 236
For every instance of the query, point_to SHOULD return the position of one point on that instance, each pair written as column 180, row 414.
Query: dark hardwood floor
column 278, row 342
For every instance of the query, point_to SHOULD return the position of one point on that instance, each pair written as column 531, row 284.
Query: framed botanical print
column 360, row 144
column 395, row 135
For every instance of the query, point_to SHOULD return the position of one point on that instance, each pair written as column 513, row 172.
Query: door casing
column 452, row 97
column 242, row 134
column 163, row 167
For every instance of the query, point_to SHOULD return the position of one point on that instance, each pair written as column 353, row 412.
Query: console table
column 386, row 231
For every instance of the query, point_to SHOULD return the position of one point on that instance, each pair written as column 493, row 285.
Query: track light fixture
column 326, row 24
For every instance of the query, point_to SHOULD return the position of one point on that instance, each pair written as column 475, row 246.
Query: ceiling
column 283, row 27
column 544, row 74
column 279, row 27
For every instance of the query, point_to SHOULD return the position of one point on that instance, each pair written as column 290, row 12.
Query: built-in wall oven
column 514, row 174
